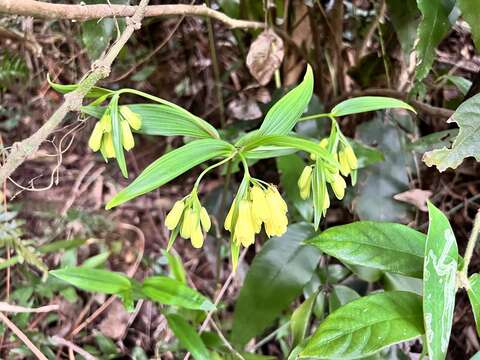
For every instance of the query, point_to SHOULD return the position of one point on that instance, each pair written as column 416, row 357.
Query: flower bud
column 95, row 140
column 127, row 137
column 108, row 149
column 228, row 220
column 173, row 217
column 197, row 237
column 187, row 224
column 205, row 219
column 338, row 186
column 351, row 158
column 106, row 121
column 304, row 182
column 133, row 118
column 344, row 165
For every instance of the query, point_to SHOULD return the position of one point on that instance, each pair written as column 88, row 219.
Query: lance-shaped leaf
column 471, row 15
column 467, row 142
column 474, row 297
column 300, row 320
column 433, row 27
column 95, row 92
column 164, row 120
column 169, row 291
column 439, row 283
column 171, row 165
column 367, row 325
column 368, row 103
column 118, row 136
column 96, row 280
column 384, row 246
column 188, row 337
column 284, row 114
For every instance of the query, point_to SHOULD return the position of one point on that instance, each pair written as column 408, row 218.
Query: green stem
column 202, row 174
column 316, row 116
column 471, row 244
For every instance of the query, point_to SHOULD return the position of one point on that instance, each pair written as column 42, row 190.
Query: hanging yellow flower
column 305, row 182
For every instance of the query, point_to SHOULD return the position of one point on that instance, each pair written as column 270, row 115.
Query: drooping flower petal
column 133, row 118
column 95, row 140
column 173, row 217
column 128, row 141
column 205, row 219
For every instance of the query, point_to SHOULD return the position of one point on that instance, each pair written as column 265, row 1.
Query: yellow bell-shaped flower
column 351, row 158
column 344, row 164
column 106, row 121
column 187, row 224
column 260, row 210
column 205, row 219
column 173, row 217
column 276, row 224
column 107, row 148
column 244, row 228
column 197, row 236
column 338, row 186
column 304, row 182
column 228, row 219
column 127, row 137
column 95, row 141
column 133, row 118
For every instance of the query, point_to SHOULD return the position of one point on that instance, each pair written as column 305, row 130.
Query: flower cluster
column 260, row 205
column 190, row 219
column 102, row 137
column 312, row 174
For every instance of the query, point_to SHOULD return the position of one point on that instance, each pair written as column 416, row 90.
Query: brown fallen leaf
column 116, row 321
column 265, row 56
column 416, row 197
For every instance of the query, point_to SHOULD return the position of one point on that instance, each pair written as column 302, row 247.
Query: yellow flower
column 244, row 228
column 260, row 211
column 326, row 201
column 304, row 182
column 324, row 143
column 133, row 118
column 106, row 121
column 338, row 186
column 344, row 165
column 127, row 136
column 276, row 224
column 107, row 148
column 187, row 224
column 95, row 140
column 205, row 219
column 351, row 158
column 228, row 220
column 173, row 217
column 197, row 236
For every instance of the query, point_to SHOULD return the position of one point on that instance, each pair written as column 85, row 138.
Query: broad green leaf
column 300, row 320
column 188, row 337
column 404, row 17
column 341, row 295
column 460, row 82
column 367, row 325
column 281, row 270
column 471, row 14
column 474, row 297
column 171, row 165
column 164, row 120
column 433, row 141
column 95, row 92
column 433, row 27
column 283, row 115
column 385, row 246
column 393, row 282
column 166, row 290
column 439, row 283
column 466, row 144
column 95, row 280
column 266, row 152
column 366, row 155
column 290, row 168
column 368, row 103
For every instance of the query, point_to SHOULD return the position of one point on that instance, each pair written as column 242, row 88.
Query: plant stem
column 316, row 116
column 471, row 244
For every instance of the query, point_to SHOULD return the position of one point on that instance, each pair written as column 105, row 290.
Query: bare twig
column 6, row 307
column 40, row 9
column 31, row 346
column 57, row 340
column 73, row 100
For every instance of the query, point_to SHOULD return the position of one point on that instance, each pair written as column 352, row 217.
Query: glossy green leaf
column 439, row 283
column 164, row 120
column 399, row 282
column 474, row 297
column 188, row 337
column 95, row 280
column 433, row 27
column 300, row 320
column 367, row 325
column 471, row 14
column 467, row 142
column 385, row 246
column 284, row 114
column 95, row 92
column 166, row 290
column 171, row 165
column 341, row 295
column 280, row 270
column 368, row 103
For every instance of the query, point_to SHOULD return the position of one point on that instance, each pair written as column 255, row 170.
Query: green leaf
column 460, row 82
column 433, row 141
column 188, row 337
column 467, row 143
column 393, row 282
column 474, row 296
column 368, row 103
column 177, row 271
column 97, row 260
column 385, row 246
column 341, row 295
column 367, row 325
column 117, row 136
column 280, row 270
column 366, row 155
column 283, row 116
column 95, row 92
column 171, row 165
column 404, row 17
column 95, row 280
column 439, row 283
column 164, row 120
column 433, row 27
column 471, row 14
column 166, row 290
column 290, row 168
column 300, row 319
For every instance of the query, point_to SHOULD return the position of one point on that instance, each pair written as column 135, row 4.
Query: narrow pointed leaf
column 171, row 165
column 284, row 114
column 300, row 320
column 379, row 245
column 117, row 137
column 367, row 325
column 188, row 337
column 166, row 290
column 95, row 92
column 439, row 283
column 471, row 15
column 368, row 103
column 474, row 297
